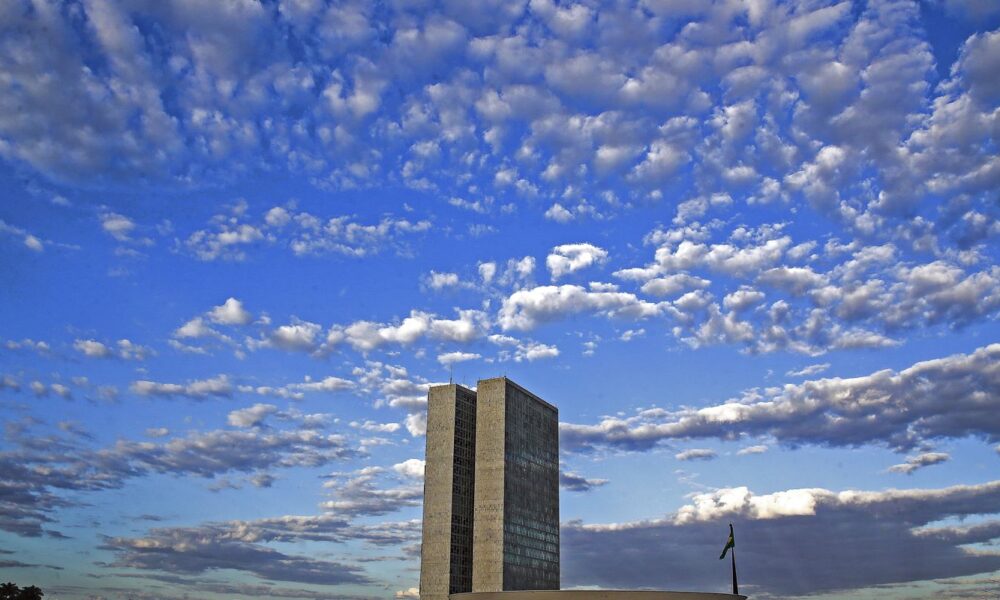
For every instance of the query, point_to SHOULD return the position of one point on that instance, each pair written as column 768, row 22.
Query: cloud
column 867, row 298
column 197, row 389
column 809, row 370
column 631, row 334
column 40, row 474
column 358, row 494
column 569, row 258
column 946, row 398
column 244, row 545
column 574, row 482
column 297, row 336
column 126, row 349
column 440, row 281
column 367, row 335
column 521, row 350
column 230, row 312
column 10, row 382
column 563, row 214
column 376, row 427
column 252, row 416
column 796, row 542
column 538, row 100
column 669, row 285
column 230, row 237
column 33, row 243
column 526, row 309
column 416, row 424
column 696, row 454
column 450, row 358
column 920, row 461
column 192, row 551
column 92, row 348
column 411, row 467
column 195, row 328
column 487, row 271
column 117, row 226
column 758, row 449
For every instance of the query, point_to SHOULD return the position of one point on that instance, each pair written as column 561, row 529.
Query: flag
column 731, row 543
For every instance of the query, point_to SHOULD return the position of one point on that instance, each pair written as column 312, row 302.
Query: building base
column 593, row 595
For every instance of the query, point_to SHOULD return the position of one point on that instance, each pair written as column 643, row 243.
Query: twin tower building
column 491, row 491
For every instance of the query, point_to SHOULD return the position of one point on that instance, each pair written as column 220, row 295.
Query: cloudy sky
column 748, row 248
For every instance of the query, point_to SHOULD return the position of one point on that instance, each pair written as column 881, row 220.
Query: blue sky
column 748, row 248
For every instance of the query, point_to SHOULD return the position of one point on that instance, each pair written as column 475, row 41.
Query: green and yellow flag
column 729, row 544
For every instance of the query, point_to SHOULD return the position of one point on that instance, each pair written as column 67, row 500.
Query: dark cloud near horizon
column 791, row 543
column 197, row 550
column 242, row 545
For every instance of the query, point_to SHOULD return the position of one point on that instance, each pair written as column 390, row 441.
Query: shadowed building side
column 449, row 476
column 516, row 520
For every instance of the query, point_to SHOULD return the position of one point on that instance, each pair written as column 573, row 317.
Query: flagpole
column 736, row 587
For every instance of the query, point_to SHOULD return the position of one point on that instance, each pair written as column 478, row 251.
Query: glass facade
column 463, row 484
column 531, row 492
column 449, row 479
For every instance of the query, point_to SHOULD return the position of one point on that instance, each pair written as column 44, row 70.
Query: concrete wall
column 487, row 537
column 595, row 595
column 516, row 517
column 446, row 549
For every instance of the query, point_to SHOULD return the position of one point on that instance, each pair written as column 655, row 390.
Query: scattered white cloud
column 416, row 424
column 569, row 258
column 92, row 349
column 440, row 281
column 124, row 349
column 411, row 467
column 197, row 389
column 808, row 370
column 230, row 312
column 450, row 358
column 526, row 309
column 297, row 336
column 521, row 350
column 251, row 416
column 117, row 226
column 630, row 334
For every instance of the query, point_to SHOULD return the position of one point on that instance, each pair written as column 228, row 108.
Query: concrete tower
column 491, row 491
column 446, row 551
column 516, row 519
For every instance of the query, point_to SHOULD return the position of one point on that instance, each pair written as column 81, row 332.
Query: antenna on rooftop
column 451, row 373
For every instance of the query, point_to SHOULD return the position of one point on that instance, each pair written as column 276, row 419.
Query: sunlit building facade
column 449, row 472
column 491, row 491
column 516, row 517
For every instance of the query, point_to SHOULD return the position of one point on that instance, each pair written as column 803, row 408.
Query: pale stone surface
column 595, row 595
column 516, row 523
column 446, row 550
column 487, row 537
